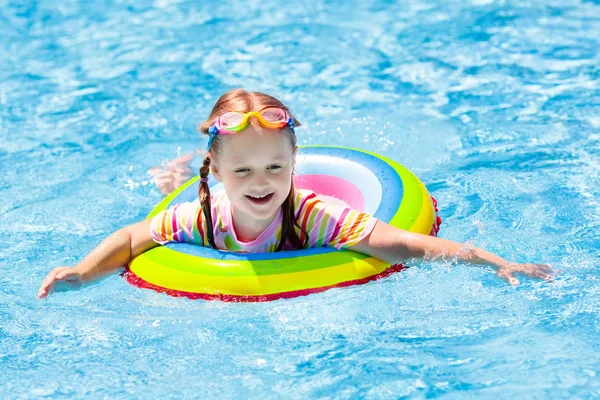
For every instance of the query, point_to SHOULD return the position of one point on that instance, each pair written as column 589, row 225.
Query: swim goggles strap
column 213, row 132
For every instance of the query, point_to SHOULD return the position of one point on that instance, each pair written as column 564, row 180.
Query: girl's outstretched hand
column 59, row 279
column 540, row 271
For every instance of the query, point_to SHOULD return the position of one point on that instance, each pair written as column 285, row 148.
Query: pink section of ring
column 332, row 186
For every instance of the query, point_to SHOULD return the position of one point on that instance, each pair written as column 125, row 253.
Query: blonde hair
column 241, row 100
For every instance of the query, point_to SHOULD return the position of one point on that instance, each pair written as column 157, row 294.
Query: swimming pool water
column 494, row 104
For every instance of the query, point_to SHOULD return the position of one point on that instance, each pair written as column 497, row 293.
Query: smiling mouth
column 260, row 199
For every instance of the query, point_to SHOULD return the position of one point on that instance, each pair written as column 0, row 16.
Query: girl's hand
column 540, row 271
column 172, row 174
column 60, row 279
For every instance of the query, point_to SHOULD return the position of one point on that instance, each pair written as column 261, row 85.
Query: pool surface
column 495, row 105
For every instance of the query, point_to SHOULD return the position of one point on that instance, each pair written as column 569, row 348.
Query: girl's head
column 255, row 164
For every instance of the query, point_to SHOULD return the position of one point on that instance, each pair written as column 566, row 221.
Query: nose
column 260, row 181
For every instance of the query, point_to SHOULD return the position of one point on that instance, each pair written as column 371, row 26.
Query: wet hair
column 241, row 100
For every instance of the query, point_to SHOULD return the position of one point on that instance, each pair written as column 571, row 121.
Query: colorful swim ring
column 364, row 181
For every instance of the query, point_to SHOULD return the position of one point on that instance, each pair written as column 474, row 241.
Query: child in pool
column 252, row 151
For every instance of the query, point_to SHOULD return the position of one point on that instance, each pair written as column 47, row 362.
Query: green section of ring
column 195, row 265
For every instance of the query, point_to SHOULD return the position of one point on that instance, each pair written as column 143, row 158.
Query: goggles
column 233, row 122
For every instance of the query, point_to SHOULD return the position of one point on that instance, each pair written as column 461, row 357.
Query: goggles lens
column 230, row 119
column 271, row 117
column 274, row 115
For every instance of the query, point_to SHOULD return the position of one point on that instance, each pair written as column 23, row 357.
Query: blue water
column 495, row 105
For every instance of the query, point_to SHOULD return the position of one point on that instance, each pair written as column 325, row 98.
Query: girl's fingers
column 164, row 188
column 541, row 267
column 181, row 177
column 64, row 275
column 543, row 275
column 168, row 181
column 508, row 276
column 539, row 271
column 179, row 170
column 52, row 276
column 546, row 268
column 56, row 275
column 46, row 284
column 178, row 162
column 548, row 277
column 45, row 288
column 184, row 158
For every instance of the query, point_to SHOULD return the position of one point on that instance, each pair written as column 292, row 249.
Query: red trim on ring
column 139, row 282
column 437, row 221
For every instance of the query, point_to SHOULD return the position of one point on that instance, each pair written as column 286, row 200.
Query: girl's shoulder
column 305, row 198
column 309, row 205
column 218, row 197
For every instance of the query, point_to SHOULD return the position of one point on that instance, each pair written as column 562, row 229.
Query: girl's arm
column 113, row 253
column 394, row 245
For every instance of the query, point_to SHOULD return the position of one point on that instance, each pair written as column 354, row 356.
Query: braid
column 204, row 196
column 288, row 233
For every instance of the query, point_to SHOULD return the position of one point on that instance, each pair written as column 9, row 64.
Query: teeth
column 259, row 197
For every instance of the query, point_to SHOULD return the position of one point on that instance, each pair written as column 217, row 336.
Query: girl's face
column 255, row 166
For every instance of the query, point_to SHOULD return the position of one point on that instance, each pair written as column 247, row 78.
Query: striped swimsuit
column 327, row 225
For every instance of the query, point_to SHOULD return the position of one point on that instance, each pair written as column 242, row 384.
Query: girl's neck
column 247, row 228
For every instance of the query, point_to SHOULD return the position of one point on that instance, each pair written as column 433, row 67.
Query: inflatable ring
column 364, row 181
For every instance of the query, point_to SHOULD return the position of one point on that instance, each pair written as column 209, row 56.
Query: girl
column 252, row 151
